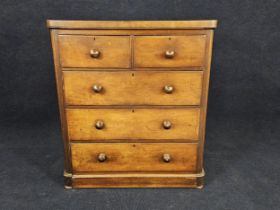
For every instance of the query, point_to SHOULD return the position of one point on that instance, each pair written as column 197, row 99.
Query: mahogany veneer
column 133, row 101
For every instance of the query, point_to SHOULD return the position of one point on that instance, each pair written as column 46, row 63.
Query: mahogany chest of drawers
column 133, row 100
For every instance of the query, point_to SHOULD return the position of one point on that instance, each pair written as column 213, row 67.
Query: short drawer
column 95, row 51
column 133, row 157
column 169, row 51
column 134, row 123
column 133, row 88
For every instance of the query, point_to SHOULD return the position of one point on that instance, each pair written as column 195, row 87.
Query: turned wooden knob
column 94, row 53
column 169, row 54
column 97, row 88
column 166, row 124
column 101, row 157
column 99, row 124
column 166, row 158
column 168, row 89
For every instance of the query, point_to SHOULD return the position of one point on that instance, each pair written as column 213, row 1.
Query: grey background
column 242, row 142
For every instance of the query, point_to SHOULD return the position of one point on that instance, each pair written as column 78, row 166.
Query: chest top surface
column 135, row 24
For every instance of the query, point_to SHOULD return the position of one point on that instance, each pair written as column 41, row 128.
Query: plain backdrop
column 242, row 141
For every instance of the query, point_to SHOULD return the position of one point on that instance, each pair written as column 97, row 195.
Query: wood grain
column 204, row 99
column 133, row 32
column 133, row 157
column 61, row 101
column 75, row 51
column 140, row 182
column 132, row 68
column 164, row 24
column 149, row 51
column 133, row 124
column 135, row 88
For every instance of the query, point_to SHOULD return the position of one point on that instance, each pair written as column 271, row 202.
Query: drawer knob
column 101, row 157
column 97, row 88
column 169, row 54
column 168, row 89
column 99, row 124
column 94, row 53
column 166, row 157
column 166, row 124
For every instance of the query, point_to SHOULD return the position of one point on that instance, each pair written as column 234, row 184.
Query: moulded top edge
column 135, row 24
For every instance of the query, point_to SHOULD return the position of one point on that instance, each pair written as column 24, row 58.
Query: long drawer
column 132, row 88
column 134, row 123
column 133, row 157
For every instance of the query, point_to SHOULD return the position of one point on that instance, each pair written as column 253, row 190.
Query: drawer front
column 169, row 51
column 154, row 123
column 134, row 157
column 138, row 88
column 95, row 51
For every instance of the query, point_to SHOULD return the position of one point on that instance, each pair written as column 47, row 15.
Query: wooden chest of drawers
column 133, row 100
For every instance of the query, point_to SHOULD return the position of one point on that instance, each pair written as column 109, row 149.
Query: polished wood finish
column 173, row 24
column 133, row 157
column 132, row 180
column 169, row 51
column 133, row 101
column 135, row 88
column 94, row 51
column 133, row 124
column 61, row 102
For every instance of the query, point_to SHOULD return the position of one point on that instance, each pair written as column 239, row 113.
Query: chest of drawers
column 133, row 100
